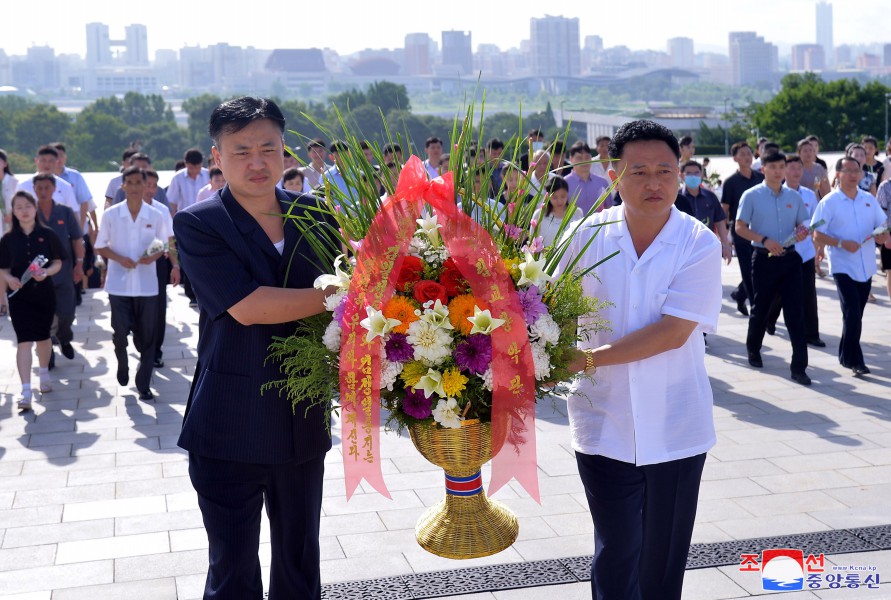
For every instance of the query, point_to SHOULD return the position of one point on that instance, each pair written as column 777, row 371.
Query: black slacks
column 744, row 249
column 163, row 270
column 139, row 315
column 231, row 496
column 853, row 296
column 809, row 295
column 643, row 522
column 772, row 275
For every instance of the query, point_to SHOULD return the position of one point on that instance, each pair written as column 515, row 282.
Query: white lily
column 532, row 272
column 377, row 324
column 447, row 413
column 340, row 279
column 431, row 383
column 484, row 322
column 437, row 315
column 431, row 229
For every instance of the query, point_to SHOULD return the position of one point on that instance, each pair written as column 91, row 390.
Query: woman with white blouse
column 554, row 210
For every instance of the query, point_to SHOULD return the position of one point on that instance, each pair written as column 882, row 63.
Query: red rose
column 452, row 279
column 427, row 290
column 412, row 270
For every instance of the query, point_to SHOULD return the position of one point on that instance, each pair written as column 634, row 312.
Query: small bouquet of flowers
column 33, row 268
column 877, row 232
column 155, row 247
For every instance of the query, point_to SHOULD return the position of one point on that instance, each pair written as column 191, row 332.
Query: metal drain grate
column 578, row 568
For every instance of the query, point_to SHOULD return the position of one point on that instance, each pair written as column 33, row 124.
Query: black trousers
column 853, row 296
column 772, row 275
column 66, row 301
column 139, row 315
column 643, row 522
column 231, row 496
column 809, row 293
column 187, row 285
column 163, row 269
column 744, row 250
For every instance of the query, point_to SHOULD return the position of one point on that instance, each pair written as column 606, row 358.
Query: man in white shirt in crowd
column 144, row 162
column 538, row 170
column 314, row 172
column 433, row 147
column 850, row 216
column 115, row 184
column 183, row 189
column 81, row 191
column 217, row 181
column 126, row 233
column 45, row 161
column 601, row 168
column 641, row 432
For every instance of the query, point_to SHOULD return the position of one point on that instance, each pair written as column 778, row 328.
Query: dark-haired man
column 144, row 162
column 534, row 143
column 850, row 215
column 46, row 161
column 585, row 188
column 688, row 149
column 704, row 205
column 115, row 184
column 433, row 148
column 314, row 172
column 248, row 448
column 641, row 443
column 185, row 184
column 494, row 150
column 770, row 214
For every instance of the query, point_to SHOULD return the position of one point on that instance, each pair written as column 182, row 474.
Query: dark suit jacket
column 227, row 256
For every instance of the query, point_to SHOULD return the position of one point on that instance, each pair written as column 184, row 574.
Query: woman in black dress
column 34, row 303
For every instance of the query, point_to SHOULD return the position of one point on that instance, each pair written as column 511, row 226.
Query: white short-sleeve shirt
column 63, row 195
column 657, row 409
column 850, row 219
column 130, row 238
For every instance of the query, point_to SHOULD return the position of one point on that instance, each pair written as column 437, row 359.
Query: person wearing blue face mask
column 704, row 205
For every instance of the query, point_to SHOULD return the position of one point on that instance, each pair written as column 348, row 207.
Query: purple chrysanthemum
column 474, row 354
column 416, row 405
column 533, row 307
column 398, row 349
column 337, row 313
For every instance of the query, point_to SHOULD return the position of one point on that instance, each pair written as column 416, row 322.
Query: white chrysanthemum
column 435, row 256
column 432, row 344
column 447, row 414
column 389, row 372
column 542, row 361
column 331, row 339
column 545, row 330
column 487, row 379
column 334, row 300
column 418, row 245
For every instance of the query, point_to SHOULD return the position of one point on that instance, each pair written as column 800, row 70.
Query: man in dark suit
column 247, row 448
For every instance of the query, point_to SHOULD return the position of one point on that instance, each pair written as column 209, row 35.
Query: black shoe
column 772, row 329
column 52, row 360
column 861, row 370
column 159, row 363
column 755, row 360
column 741, row 307
column 801, row 378
column 67, row 351
column 816, row 342
column 146, row 395
column 734, row 295
column 123, row 375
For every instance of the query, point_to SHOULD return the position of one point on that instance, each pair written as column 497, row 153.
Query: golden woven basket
column 466, row 524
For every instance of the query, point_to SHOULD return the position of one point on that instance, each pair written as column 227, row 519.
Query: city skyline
column 175, row 25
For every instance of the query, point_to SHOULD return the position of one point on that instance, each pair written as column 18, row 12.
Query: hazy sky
column 351, row 25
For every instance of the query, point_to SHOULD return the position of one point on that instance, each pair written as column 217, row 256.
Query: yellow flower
column 412, row 372
column 460, row 308
column 453, row 382
column 403, row 309
column 513, row 267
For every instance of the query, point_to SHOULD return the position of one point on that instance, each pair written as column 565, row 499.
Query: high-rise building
column 808, row 57
column 555, row 46
column 98, row 45
column 594, row 43
column 752, row 60
column 887, row 53
column 457, row 51
column 824, row 29
column 136, row 42
column 681, row 51
column 869, row 61
column 417, row 54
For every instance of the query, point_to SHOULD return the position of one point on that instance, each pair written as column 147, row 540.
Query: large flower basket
column 466, row 523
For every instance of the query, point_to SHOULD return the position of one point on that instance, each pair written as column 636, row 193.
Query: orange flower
column 460, row 308
column 400, row 307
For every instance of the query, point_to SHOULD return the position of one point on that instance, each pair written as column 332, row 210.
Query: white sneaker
column 46, row 385
column 24, row 403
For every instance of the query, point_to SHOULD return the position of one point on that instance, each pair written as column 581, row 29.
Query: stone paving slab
column 95, row 499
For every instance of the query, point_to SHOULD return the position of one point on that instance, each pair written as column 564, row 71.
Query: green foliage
column 199, row 108
column 39, row 124
column 97, row 140
column 134, row 109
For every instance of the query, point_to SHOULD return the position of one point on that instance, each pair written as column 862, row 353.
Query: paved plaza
column 96, row 503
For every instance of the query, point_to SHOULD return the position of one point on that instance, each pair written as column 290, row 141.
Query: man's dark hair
column 771, row 147
column 791, row 158
column 214, row 171
column 316, row 143
column 392, row 149
column 839, row 164
column 432, row 140
column 234, row 115
column 44, row 177
column 193, row 156
column 364, row 145
column 289, row 174
column 47, row 149
column 601, row 138
column 773, row 157
column 579, row 147
column 125, row 156
column 141, row 156
column 685, row 140
column 535, row 133
column 59, row 146
column 179, row 165
column 642, row 131
column 739, row 146
column 150, row 173
column 691, row 163
column 338, row 146
column 495, row 144
column 132, row 171
column 558, row 147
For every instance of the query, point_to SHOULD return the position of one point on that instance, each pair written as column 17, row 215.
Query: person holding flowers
column 247, row 448
column 30, row 254
column 642, row 423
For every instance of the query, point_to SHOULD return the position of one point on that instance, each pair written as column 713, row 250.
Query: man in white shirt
column 850, row 216
column 433, row 147
column 126, row 233
column 642, row 430
column 184, row 186
column 115, row 184
column 45, row 161
column 314, row 172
